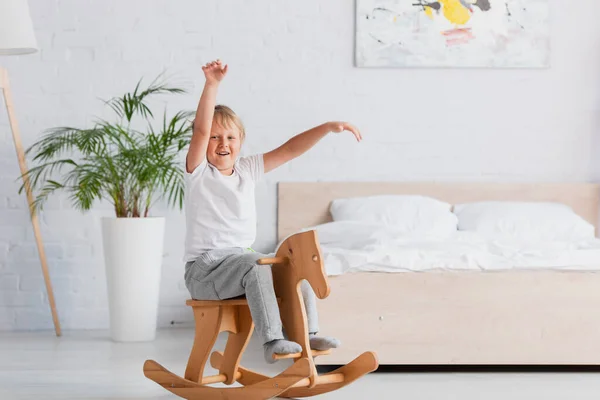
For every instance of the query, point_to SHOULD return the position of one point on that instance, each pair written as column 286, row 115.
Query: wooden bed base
column 505, row 317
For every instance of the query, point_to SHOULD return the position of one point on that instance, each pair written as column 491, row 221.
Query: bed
column 502, row 317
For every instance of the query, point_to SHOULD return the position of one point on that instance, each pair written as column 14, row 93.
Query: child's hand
column 214, row 71
column 338, row 126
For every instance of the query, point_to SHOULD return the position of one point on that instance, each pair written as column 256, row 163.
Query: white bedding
column 353, row 247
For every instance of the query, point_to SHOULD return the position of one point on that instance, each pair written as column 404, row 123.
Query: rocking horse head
column 302, row 254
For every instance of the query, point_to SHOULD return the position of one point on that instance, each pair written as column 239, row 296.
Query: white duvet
column 352, row 246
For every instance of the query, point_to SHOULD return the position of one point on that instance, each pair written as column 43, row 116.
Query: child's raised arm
column 302, row 142
column 214, row 73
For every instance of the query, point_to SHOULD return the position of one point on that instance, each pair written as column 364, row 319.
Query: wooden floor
column 88, row 366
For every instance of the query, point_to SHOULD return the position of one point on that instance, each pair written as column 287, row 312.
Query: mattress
column 379, row 250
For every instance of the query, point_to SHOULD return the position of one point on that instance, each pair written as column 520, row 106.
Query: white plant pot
column 133, row 252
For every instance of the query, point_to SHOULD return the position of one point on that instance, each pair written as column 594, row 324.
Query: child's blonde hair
column 225, row 116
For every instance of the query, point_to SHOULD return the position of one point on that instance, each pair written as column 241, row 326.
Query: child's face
column 223, row 147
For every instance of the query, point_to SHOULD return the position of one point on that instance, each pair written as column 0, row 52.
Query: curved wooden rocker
column 297, row 259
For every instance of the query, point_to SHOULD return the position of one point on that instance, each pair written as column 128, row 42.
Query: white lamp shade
column 16, row 29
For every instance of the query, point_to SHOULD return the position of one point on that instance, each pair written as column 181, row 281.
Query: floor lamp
column 16, row 38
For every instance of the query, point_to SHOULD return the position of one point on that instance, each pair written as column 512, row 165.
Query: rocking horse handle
column 277, row 260
column 274, row 260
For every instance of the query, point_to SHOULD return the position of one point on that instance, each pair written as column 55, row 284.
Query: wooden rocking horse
column 298, row 258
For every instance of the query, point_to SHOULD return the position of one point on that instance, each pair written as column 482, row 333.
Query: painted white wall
column 291, row 67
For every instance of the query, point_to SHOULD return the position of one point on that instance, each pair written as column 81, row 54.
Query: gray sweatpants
column 227, row 273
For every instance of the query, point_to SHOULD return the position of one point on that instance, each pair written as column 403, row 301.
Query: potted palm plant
column 131, row 169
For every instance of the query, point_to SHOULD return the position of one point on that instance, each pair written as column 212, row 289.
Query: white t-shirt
column 220, row 210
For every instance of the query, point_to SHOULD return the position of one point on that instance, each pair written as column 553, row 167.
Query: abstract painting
column 453, row 33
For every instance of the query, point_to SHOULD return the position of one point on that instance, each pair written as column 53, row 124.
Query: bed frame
column 507, row 317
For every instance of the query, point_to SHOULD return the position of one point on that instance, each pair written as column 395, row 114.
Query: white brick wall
column 291, row 68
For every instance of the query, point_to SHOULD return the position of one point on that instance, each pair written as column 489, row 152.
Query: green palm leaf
column 112, row 161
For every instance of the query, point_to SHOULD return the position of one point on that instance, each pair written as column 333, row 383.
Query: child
column 221, row 216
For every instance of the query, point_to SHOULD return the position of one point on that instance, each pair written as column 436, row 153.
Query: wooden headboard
column 304, row 204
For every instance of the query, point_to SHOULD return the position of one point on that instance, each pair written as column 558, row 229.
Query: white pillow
column 352, row 235
column 405, row 213
column 523, row 220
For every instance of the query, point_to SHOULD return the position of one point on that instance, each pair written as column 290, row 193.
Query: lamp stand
column 4, row 86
